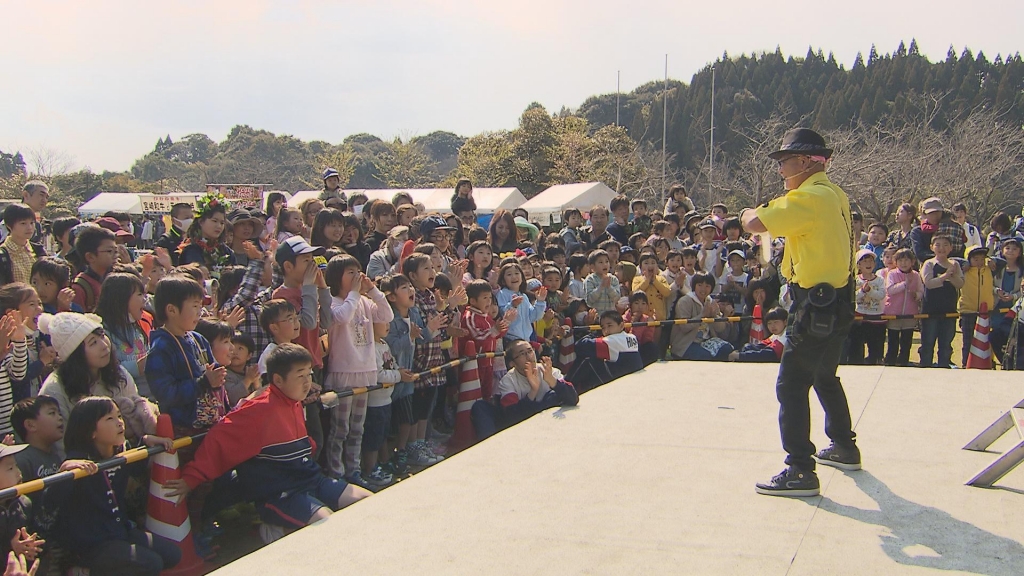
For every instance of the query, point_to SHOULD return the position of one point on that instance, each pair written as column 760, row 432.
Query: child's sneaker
column 356, row 477
column 270, row 533
column 420, row 455
column 379, row 478
column 400, row 462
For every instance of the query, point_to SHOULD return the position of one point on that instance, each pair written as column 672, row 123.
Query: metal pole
column 618, row 91
column 711, row 159
column 664, row 131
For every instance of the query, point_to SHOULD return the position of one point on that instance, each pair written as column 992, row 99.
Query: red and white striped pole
column 469, row 392
column 164, row 515
column 980, row 356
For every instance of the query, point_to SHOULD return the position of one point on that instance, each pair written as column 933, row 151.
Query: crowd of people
column 246, row 323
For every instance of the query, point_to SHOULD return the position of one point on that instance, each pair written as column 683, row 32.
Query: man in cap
column 935, row 220
column 814, row 217
column 332, row 185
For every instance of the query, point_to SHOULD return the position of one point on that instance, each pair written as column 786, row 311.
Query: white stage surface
column 655, row 473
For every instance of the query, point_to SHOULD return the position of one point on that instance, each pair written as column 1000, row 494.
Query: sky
column 101, row 80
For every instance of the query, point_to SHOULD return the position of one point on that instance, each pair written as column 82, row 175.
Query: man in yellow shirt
column 814, row 218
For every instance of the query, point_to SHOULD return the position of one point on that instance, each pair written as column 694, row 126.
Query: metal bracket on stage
column 1007, row 461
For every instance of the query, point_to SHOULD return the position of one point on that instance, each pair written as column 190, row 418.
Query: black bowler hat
column 802, row 141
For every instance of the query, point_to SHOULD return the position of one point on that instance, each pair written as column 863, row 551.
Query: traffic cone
column 756, row 326
column 567, row 349
column 165, row 519
column 980, row 356
column 469, row 392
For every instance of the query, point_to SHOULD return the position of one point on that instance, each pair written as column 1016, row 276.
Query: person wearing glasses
column 97, row 250
column 814, row 218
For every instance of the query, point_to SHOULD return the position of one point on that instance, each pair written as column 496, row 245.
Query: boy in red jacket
column 484, row 331
column 265, row 442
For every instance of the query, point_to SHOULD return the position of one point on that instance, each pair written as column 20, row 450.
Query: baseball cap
column 6, row 450
column 930, row 205
column 115, row 227
column 295, row 246
column 432, row 223
column 331, row 172
column 739, row 253
column 708, row 223
column 865, row 253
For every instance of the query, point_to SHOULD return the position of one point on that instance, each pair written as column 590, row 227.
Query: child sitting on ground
column 529, row 388
column 266, row 443
column 770, row 349
column 613, row 354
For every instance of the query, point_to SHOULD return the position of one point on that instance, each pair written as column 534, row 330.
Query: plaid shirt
column 251, row 299
column 428, row 352
column 22, row 258
column 598, row 297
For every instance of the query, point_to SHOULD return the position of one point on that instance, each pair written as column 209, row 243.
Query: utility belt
column 816, row 309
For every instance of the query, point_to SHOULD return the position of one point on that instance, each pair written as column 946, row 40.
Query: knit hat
column 68, row 330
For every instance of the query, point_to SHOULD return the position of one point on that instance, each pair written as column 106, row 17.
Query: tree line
column 903, row 127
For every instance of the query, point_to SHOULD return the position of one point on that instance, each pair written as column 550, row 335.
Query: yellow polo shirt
column 815, row 221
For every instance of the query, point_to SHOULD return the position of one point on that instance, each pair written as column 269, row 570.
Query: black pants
column 811, row 362
column 898, row 353
column 142, row 554
column 871, row 334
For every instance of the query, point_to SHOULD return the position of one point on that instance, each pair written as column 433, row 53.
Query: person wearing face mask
column 385, row 261
column 181, row 219
column 814, row 217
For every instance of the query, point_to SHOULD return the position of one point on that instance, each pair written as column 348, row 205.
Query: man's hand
column 547, row 369
column 215, row 375
column 176, row 488
column 532, row 378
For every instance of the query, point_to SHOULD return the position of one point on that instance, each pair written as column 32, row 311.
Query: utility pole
column 664, row 132
column 711, row 157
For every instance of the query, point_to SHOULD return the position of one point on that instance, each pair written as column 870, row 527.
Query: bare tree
column 49, row 162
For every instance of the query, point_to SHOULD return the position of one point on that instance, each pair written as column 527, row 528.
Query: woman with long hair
column 906, row 217
column 204, row 240
column 328, row 229
column 352, row 241
column 457, row 248
column 86, row 367
column 502, row 233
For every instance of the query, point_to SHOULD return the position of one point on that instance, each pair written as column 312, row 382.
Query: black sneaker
column 843, row 458
column 790, row 482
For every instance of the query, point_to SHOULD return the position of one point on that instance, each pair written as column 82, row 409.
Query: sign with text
column 247, row 194
column 162, row 203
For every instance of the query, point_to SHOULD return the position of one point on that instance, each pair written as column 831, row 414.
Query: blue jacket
column 522, row 326
column 403, row 348
column 176, row 380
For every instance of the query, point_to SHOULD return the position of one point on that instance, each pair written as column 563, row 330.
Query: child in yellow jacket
column 978, row 290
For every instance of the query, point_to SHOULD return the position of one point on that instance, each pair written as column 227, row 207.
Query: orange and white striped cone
column 756, row 326
column 469, row 392
column 567, row 349
column 980, row 356
column 163, row 517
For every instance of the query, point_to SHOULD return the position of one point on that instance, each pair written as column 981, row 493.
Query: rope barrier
column 126, row 457
column 868, row 317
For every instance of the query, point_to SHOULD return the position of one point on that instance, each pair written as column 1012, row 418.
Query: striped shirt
column 14, row 367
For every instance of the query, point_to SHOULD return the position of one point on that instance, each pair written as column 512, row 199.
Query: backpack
column 88, row 290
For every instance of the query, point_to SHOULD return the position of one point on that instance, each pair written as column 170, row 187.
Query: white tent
column 111, row 201
column 488, row 200
column 546, row 208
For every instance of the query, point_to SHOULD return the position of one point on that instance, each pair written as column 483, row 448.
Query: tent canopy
column 488, row 200
column 112, row 201
column 546, row 207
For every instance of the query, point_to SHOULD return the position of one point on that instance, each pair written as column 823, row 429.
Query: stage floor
column 655, row 473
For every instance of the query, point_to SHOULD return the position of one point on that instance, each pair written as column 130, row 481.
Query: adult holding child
column 814, row 217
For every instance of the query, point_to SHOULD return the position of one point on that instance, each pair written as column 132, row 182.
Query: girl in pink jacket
column 904, row 292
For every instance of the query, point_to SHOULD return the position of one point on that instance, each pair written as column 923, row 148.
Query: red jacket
column 265, row 441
